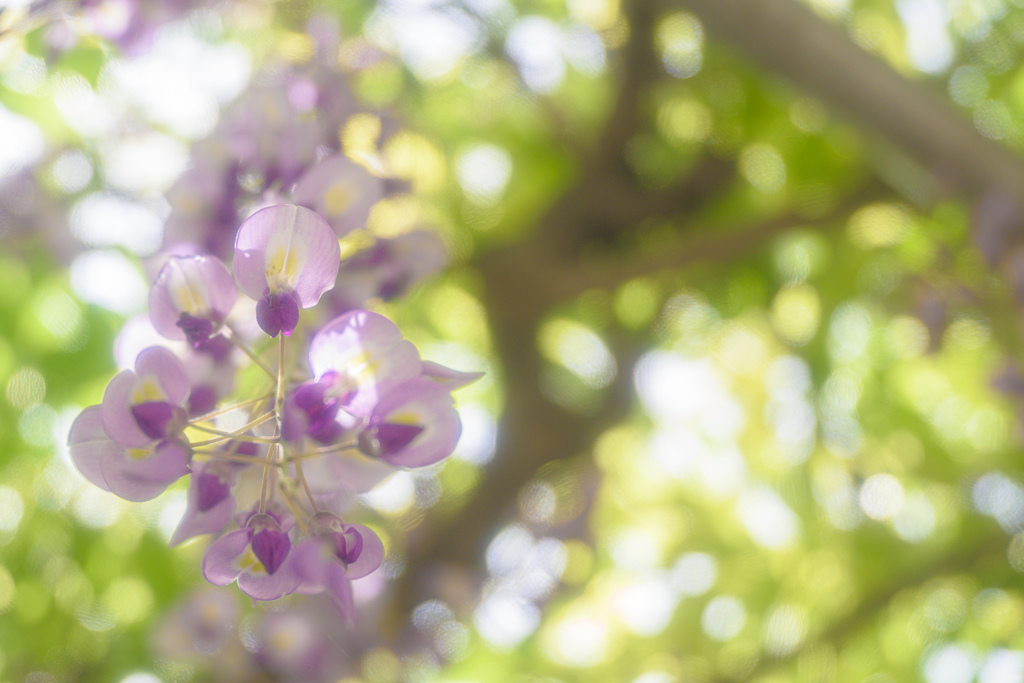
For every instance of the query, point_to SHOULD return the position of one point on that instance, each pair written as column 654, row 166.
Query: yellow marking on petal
column 360, row 358
column 282, row 267
column 188, row 294
column 138, row 453
column 285, row 259
column 249, row 561
column 411, row 419
column 146, row 390
column 339, row 197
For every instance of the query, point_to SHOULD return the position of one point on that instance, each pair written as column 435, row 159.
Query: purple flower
column 413, row 426
column 257, row 556
column 145, row 406
column 364, row 356
column 336, row 554
column 210, row 503
column 135, row 474
column 310, row 411
column 341, row 191
column 191, row 298
column 387, row 269
column 286, row 257
column 211, row 374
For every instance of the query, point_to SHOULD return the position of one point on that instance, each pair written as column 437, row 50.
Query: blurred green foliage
column 803, row 491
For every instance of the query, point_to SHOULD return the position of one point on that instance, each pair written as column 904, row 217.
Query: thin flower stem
column 245, row 404
column 335, row 448
column 279, row 394
column 208, row 430
column 266, row 477
column 228, row 457
column 316, row 453
column 274, row 472
column 237, row 434
column 305, row 486
column 293, row 506
column 230, row 334
column 244, row 437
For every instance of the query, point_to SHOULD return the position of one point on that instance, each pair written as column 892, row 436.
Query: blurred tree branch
column 526, row 280
column 780, row 34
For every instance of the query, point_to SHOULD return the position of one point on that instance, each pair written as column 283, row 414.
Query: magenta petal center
column 210, row 491
column 196, row 329
column 393, row 437
column 349, row 545
column 271, row 548
column 277, row 312
column 309, row 411
column 155, row 418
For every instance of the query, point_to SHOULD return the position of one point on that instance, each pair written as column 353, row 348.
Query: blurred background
column 745, row 277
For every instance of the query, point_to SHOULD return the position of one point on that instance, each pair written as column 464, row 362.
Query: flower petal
column 370, row 555
column 426, row 404
column 286, row 247
column 167, row 369
column 118, row 421
column 88, row 444
column 219, row 560
column 198, row 519
column 200, row 287
column 263, row 586
column 367, row 354
column 341, row 191
column 143, row 476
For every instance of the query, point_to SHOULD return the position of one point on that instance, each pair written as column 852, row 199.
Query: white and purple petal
column 191, row 297
column 370, row 551
column 343, row 475
column 308, row 411
column 387, row 269
column 210, row 503
column 286, row 248
column 367, row 356
column 341, row 191
column 219, row 561
column 391, row 434
column 259, row 585
column 88, row 445
column 142, row 474
column 159, row 377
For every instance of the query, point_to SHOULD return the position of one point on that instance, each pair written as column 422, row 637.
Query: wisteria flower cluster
column 368, row 404
column 280, row 144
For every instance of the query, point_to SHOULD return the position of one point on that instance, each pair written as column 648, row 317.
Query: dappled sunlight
column 669, row 357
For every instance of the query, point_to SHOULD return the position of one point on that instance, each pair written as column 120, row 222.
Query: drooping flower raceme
column 305, row 442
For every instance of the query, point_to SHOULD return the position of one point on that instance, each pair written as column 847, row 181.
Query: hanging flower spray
column 367, row 405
